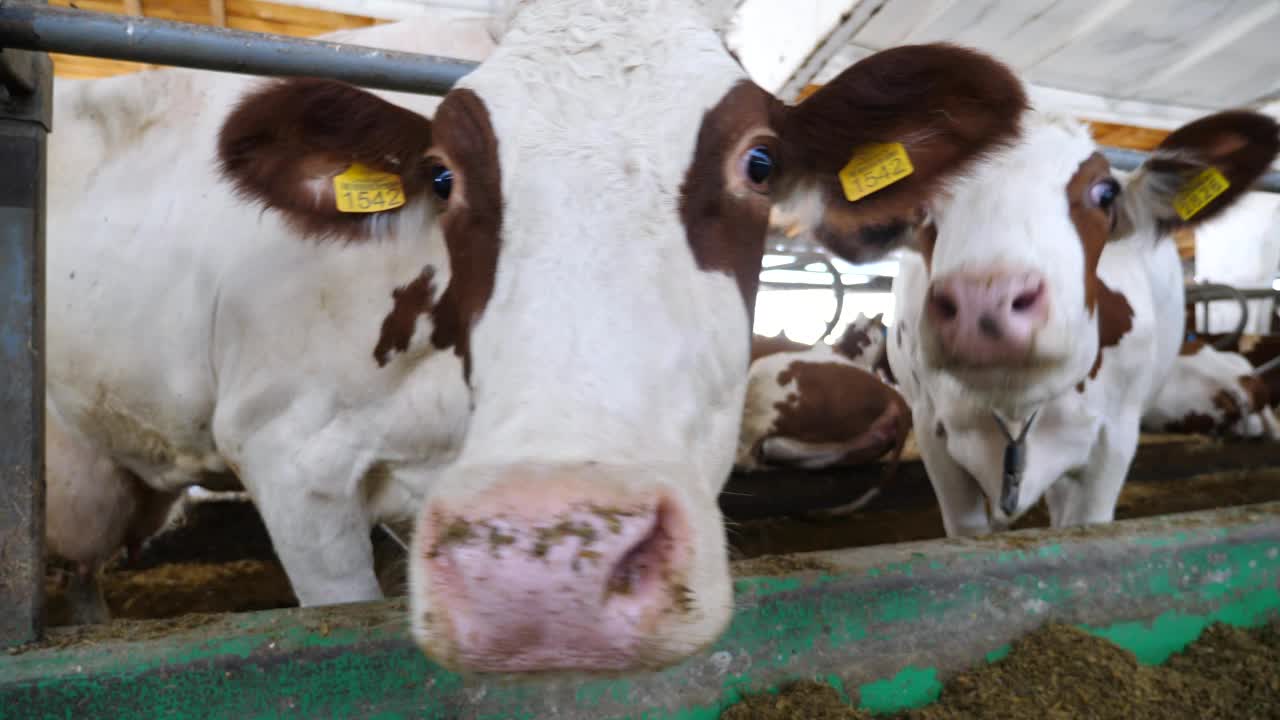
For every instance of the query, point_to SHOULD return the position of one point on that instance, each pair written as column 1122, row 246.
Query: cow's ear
column 863, row 155
column 327, row 155
column 1200, row 170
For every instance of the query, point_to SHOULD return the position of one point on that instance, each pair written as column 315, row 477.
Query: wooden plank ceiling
column 236, row 14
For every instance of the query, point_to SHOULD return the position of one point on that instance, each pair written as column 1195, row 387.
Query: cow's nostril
column 944, row 306
column 1027, row 300
column 641, row 565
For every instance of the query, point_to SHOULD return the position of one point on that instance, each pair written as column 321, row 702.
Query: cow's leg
column 323, row 541
column 85, row 600
column 90, row 505
column 310, row 498
column 963, row 505
column 1091, row 497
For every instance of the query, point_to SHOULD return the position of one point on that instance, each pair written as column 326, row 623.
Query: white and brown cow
column 1212, row 392
column 542, row 354
column 820, row 406
column 1043, row 287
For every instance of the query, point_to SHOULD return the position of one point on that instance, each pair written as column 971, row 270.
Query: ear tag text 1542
column 362, row 189
column 1198, row 193
column 873, row 168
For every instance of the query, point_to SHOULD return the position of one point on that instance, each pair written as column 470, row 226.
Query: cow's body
column 1212, row 392
column 822, row 406
column 994, row 318
column 541, row 356
column 165, row 327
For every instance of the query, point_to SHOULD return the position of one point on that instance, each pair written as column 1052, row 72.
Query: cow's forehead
column 1023, row 187
column 626, row 91
column 579, row 15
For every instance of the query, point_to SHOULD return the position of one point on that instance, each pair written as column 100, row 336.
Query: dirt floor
column 1061, row 673
column 219, row 558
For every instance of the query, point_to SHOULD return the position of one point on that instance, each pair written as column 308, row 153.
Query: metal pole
column 1122, row 159
column 55, row 29
column 26, row 84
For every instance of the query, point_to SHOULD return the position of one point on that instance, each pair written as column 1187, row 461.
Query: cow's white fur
column 1013, row 214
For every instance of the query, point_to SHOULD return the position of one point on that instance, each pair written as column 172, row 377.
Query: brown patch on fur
column 282, row 144
column 855, row 340
column 726, row 229
column 1193, row 424
column 1093, row 224
column 834, row 403
column 947, row 105
column 1257, row 390
column 849, row 236
column 1115, row 320
column 762, row 346
column 408, row 302
column 1225, row 403
column 472, row 222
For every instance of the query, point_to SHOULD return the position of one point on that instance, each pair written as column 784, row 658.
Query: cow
column 1260, row 351
column 821, row 406
column 535, row 340
column 1212, row 392
column 1043, row 313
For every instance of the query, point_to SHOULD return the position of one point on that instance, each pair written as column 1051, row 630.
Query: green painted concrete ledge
column 885, row 626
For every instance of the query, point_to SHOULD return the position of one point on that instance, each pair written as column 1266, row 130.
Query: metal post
column 26, row 84
column 76, row 32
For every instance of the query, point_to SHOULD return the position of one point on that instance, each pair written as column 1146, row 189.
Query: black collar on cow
column 1015, row 462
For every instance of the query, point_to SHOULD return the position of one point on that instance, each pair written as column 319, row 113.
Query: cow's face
column 602, row 184
column 1016, row 308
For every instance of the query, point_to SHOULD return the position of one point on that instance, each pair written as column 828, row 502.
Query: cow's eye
column 1103, row 193
column 442, row 181
column 758, row 166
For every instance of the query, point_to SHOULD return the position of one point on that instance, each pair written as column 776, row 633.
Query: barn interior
column 1134, row 71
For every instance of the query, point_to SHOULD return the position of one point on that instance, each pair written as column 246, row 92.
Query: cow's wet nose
column 573, row 587
column 988, row 319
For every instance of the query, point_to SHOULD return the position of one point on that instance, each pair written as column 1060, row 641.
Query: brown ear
column 283, row 144
column 947, row 105
column 1240, row 145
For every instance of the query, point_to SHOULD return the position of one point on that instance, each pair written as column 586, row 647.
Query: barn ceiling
column 1154, row 63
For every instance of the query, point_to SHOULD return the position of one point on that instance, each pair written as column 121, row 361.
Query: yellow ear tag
column 1201, row 191
column 362, row 189
column 873, row 168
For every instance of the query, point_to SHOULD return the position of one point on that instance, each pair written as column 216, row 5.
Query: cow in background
column 1213, row 392
column 822, row 406
column 523, row 321
column 1044, row 311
